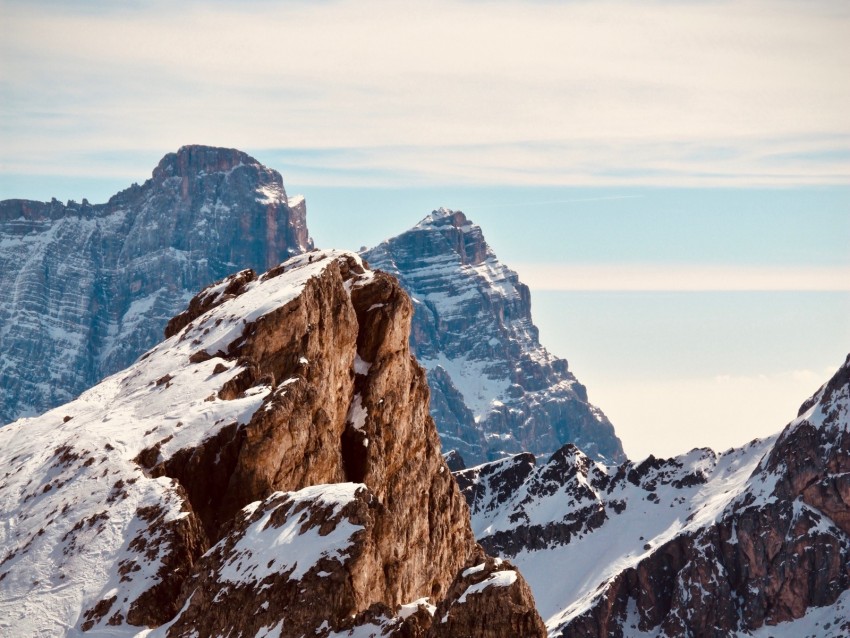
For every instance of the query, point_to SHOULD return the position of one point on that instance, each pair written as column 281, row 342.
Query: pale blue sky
column 671, row 179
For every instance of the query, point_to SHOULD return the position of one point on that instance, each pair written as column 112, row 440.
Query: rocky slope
column 753, row 541
column 270, row 469
column 88, row 288
column 494, row 389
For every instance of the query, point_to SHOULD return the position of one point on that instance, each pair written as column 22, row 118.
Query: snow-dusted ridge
column 269, row 469
column 73, row 487
column 691, row 545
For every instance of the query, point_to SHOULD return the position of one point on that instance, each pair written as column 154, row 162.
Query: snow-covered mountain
column 494, row 389
column 751, row 542
column 88, row 288
column 270, row 469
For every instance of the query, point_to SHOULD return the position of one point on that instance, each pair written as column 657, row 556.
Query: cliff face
column 269, row 469
column 754, row 541
column 88, row 288
column 495, row 390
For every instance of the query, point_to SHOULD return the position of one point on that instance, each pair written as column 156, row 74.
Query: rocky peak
column 91, row 287
column 753, row 541
column 459, row 234
column 269, row 468
column 495, row 389
column 193, row 160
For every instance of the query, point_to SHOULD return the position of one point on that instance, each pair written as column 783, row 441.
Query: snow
column 474, row 570
column 496, row 579
column 357, row 413
column 592, row 557
column 271, row 194
column 361, row 367
column 265, row 550
column 411, row 608
column 471, row 378
column 272, row 631
column 295, row 200
column 259, row 299
column 631, row 623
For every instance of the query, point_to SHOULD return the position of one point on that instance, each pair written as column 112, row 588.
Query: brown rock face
column 489, row 598
column 348, row 406
column 223, row 589
column 269, row 469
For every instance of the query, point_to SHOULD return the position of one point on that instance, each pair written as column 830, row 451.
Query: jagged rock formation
column 270, row 469
column 88, row 288
column 494, row 389
column 754, row 541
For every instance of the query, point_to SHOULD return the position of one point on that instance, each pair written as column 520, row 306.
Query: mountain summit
column 494, row 389
column 88, row 288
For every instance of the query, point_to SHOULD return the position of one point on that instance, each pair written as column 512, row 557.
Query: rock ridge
column 753, row 540
column 270, row 467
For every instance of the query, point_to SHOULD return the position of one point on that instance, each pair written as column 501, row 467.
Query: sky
column 672, row 179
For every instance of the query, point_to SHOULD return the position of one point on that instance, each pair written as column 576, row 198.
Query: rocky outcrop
column 495, row 389
column 270, row 468
column 700, row 545
column 88, row 288
column 488, row 598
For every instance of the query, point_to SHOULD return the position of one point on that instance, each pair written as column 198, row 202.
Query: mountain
column 88, row 288
column 494, row 389
column 753, row 541
column 270, row 469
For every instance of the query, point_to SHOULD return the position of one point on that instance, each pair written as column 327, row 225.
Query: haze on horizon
column 671, row 179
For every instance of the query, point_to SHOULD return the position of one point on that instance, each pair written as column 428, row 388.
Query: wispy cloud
column 748, row 92
column 683, row 277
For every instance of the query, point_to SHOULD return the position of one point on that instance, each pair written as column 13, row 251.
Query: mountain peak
column 494, row 389
column 751, row 541
column 206, row 212
column 253, row 475
column 194, row 159
column 446, row 217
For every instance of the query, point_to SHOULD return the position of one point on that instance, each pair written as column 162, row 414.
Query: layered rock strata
column 494, row 389
column 754, row 541
column 269, row 469
column 88, row 288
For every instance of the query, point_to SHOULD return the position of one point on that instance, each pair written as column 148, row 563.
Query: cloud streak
column 461, row 92
column 683, row 277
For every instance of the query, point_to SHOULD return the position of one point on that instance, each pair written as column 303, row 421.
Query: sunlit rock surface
column 270, row 469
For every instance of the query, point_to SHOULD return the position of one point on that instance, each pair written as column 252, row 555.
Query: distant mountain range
column 751, row 542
